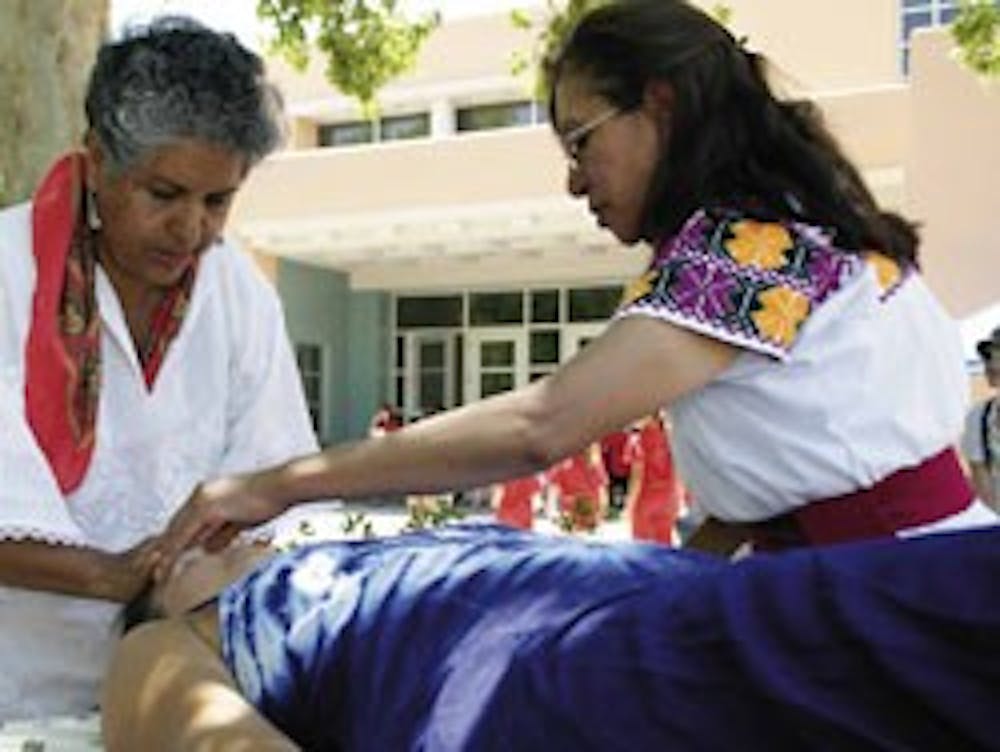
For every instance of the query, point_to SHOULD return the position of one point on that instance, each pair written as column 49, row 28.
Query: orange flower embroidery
column 762, row 244
column 638, row 288
column 887, row 271
column 782, row 314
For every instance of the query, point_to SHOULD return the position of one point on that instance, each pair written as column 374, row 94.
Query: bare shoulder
column 167, row 690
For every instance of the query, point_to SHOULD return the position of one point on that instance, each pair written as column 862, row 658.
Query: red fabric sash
column 63, row 350
column 933, row 490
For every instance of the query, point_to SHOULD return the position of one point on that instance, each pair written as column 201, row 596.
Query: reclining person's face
column 198, row 576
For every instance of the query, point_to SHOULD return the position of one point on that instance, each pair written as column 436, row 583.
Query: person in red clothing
column 655, row 491
column 513, row 501
column 581, row 483
column 385, row 420
column 613, row 448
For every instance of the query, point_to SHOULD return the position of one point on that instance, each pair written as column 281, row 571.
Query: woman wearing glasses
column 815, row 384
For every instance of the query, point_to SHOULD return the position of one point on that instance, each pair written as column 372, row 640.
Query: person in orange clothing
column 655, row 491
column 581, row 483
column 513, row 501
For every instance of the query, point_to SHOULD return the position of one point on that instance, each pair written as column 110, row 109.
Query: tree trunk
column 48, row 49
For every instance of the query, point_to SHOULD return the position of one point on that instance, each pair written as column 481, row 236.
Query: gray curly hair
column 175, row 78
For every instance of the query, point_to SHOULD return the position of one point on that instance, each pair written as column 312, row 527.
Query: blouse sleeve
column 268, row 421
column 747, row 282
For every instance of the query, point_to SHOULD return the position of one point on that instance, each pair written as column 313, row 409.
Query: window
column 389, row 128
column 498, row 115
column 544, row 306
column 427, row 372
column 494, row 308
column 413, row 312
column 399, row 127
column 345, row 134
column 399, row 373
column 593, row 303
column 310, row 362
column 544, row 346
column 433, row 374
column 513, row 335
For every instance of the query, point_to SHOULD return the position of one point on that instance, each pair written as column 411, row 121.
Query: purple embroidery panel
column 696, row 282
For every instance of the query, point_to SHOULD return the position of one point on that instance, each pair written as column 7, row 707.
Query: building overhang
column 525, row 240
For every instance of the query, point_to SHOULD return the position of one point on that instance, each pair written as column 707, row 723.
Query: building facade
column 432, row 257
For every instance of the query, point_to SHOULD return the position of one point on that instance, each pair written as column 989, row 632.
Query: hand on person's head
column 123, row 575
column 198, row 576
column 214, row 514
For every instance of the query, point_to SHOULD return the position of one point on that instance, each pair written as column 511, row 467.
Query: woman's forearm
column 520, row 432
column 472, row 446
column 505, row 436
column 68, row 570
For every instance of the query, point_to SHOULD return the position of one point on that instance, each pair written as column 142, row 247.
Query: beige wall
column 482, row 167
column 953, row 175
column 872, row 127
column 821, row 44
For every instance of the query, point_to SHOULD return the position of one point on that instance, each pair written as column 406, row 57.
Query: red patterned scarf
column 63, row 352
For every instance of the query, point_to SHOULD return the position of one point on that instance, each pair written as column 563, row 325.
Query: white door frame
column 474, row 339
column 411, row 377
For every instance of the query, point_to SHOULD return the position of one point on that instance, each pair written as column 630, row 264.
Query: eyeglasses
column 574, row 142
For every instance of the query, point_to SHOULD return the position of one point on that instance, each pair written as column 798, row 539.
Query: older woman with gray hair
column 140, row 354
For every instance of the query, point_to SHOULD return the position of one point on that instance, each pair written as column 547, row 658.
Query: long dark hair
column 732, row 143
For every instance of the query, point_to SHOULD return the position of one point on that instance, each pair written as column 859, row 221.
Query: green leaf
column 365, row 43
column 722, row 13
column 549, row 34
column 976, row 31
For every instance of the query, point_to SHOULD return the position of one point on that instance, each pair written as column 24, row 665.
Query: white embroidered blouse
column 849, row 370
column 227, row 398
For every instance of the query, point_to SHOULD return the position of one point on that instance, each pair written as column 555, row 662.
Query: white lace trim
column 20, row 533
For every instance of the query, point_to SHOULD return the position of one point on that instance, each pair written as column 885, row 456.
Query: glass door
column 429, row 383
column 497, row 361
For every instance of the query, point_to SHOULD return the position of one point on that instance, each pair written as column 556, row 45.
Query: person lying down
column 485, row 638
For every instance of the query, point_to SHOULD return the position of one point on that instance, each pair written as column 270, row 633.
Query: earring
column 93, row 218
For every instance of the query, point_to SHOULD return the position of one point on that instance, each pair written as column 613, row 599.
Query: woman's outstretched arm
column 638, row 365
